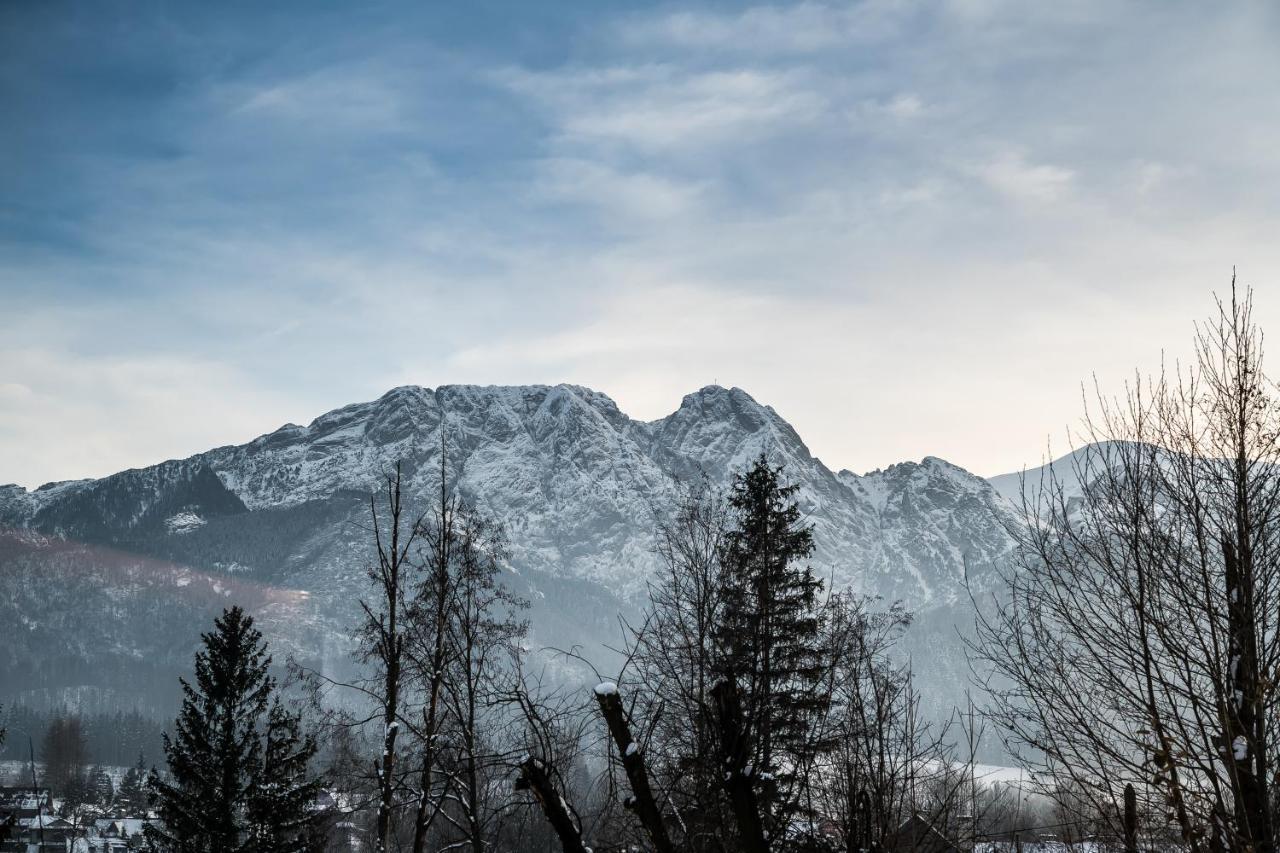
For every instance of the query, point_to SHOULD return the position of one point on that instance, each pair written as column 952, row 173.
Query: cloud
column 339, row 96
column 661, row 107
column 904, row 106
column 799, row 28
column 634, row 195
column 936, row 217
column 1015, row 177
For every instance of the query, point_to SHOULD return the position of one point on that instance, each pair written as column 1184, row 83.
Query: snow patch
column 184, row 522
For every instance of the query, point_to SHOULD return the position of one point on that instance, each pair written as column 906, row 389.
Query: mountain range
column 109, row 581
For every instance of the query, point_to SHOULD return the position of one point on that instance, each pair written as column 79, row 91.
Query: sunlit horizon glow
column 912, row 228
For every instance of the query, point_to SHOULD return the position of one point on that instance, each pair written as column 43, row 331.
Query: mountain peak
column 404, row 395
column 709, row 394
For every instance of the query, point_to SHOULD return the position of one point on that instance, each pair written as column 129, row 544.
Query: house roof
column 45, row 821
column 917, row 833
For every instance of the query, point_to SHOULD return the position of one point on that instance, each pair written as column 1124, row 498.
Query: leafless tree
column 673, row 657
column 884, row 754
column 428, row 616
column 482, row 631
column 1138, row 642
column 384, row 633
column 554, row 729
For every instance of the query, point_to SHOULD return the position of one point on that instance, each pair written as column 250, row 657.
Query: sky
column 913, row 228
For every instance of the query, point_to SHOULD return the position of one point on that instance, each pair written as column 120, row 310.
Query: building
column 918, row 835
column 115, row 835
column 48, row 833
column 18, row 804
column 25, row 801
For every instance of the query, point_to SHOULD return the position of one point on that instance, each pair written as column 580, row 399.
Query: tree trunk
column 735, row 752
column 646, row 807
column 533, row 776
column 1130, row 820
column 1242, row 740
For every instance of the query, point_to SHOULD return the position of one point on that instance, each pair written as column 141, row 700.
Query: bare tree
column 384, row 636
column 483, row 629
column 553, row 729
column 441, row 632
column 429, row 613
column 673, row 655
column 883, row 753
column 1138, row 640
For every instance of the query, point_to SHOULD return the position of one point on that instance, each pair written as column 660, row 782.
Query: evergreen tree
column 131, row 799
column 281, row 813
column 769, row 638
column 100, row 789
column 215, row 754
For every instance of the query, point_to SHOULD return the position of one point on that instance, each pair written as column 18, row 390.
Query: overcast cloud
column 914, row 228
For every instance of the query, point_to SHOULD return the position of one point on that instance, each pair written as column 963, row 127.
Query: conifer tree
column 100, row 789
column 132, row 796
column 281, row 811
column 216, row 752
column 769, row 638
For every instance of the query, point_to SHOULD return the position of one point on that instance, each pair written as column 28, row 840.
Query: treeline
column 66, row 767
column 113, row 739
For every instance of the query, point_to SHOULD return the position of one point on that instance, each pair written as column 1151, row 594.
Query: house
column 118, row 834
column 48, row 833
column 16, row 805
column 918, row 835
column 25, row 801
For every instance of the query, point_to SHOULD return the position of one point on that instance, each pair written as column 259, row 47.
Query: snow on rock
column 184, row 522
column 578, row 484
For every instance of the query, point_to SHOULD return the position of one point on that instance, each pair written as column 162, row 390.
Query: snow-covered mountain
column 579, row 485
column 1060, row 475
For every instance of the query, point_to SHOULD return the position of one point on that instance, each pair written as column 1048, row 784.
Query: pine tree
column 131, row 799
column 769, row 637
column 216, row 751
column 281, row 813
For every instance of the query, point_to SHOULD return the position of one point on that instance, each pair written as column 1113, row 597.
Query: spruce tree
column 215, row 754
column 131, row 799
column 100, row 790
column 281, row 813
column 769, row 637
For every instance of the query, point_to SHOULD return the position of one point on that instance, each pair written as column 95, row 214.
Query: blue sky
column 911, row 227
